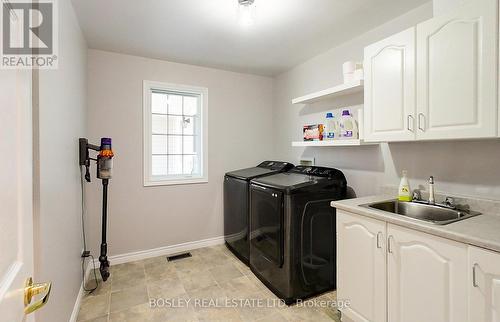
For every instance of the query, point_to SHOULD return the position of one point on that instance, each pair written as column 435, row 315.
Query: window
column 175, row 134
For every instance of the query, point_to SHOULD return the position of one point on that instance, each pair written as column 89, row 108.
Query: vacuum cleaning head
column 104, row 270
column 104, row 267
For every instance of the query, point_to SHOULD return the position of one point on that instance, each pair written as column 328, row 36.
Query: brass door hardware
column 31, row 290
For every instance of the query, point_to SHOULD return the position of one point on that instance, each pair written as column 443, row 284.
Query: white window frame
column 149, row 179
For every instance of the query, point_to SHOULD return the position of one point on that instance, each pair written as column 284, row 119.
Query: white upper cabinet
column 390, row 88
column 484, row 287
column 426, row 277
column 457, row 73
column 454, row 60
column 361, row 269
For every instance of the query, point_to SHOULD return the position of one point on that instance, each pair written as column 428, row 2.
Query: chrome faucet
column 449, row 202
column 417, row 195
column 432, row 199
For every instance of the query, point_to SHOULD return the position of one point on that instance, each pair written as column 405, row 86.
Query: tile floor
column 213, row 273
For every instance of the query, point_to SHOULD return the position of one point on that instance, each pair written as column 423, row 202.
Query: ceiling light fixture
column 246, row 12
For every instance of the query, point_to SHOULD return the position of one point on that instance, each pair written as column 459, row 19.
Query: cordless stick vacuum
column 104, row 162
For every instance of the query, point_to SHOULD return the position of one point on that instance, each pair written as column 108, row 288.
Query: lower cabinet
column 426, row 277
column 361, row 270
column 395, row 274
column 484, row 285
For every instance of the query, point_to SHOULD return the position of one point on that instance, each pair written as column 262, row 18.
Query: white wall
column 468, row 168
column 240, row 130
column 60, row 109
column 444, row 6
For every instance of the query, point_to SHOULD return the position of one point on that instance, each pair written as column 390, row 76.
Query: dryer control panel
column 276, row 165
column 316, row 171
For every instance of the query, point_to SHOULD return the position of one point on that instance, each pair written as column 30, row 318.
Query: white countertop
column 482, row 231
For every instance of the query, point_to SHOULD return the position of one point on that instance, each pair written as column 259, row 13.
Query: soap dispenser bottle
column 404, row 188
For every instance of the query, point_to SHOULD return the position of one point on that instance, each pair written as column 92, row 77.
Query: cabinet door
column 484, row 287
column 426, row 277
column 457, row 73
column 361, row 267
column 390, row 88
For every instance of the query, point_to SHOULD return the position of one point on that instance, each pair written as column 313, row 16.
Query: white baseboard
column 140, row 255
column 81, row 293
column 163, row 251
column 76, row 307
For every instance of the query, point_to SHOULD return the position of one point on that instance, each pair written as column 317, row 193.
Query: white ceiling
column 207, row 32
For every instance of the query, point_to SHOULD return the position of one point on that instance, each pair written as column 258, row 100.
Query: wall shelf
column 340, row 90
column 355, row 142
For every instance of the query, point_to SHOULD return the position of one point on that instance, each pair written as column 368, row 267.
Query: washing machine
column 293, row 231
column 236, row 203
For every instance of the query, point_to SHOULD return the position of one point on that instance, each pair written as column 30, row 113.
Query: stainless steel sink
column 435, row 214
